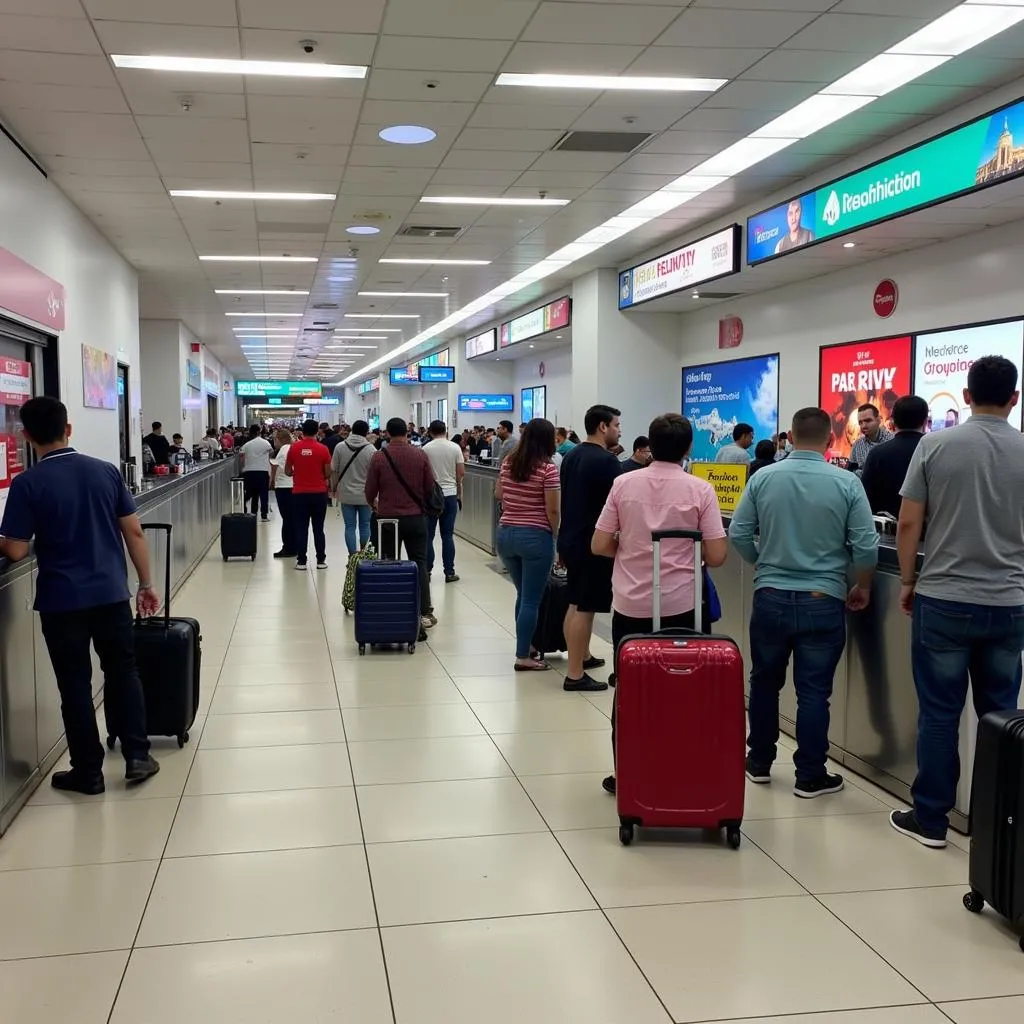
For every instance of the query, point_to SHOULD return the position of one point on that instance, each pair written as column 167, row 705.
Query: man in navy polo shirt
column 82, row 517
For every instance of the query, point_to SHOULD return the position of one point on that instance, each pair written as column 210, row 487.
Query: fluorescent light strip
column 266, row 314
column 405, row 295
column 382, row 316
column 258, row 291
column 436, row 262
column 625, row 82
column 292, row 197
column 811, row 116
column 260, row 259
column 494, row 201
column 985, row 21
column 220, row 66
column 341, row 333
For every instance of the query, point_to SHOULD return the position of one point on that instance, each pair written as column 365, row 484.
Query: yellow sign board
column 727, row 480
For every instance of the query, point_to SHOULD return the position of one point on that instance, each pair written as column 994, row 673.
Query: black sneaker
column 139, row 771
column 906, row 823
column 757, row 773
column 608, row 784
column 78, row 782
column 819, row 787
column 583, row 684
column 451, row 578
column 284, row 554
column 612, row 679
column 593, row 663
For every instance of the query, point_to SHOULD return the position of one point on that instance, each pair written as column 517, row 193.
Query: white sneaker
column 301, row 566
column 322, row 564
column 426, row 621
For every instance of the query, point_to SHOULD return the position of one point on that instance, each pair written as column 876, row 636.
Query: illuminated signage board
column 403, row 375
column 278, row 388
column 552, row 317
column 485, row 403
column 482, row 344
column 981, row 153
column 368, row 386
column 437, row 374
column 689, row 266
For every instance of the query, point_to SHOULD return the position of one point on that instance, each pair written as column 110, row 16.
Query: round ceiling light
column 407, row 134
column 363, row 229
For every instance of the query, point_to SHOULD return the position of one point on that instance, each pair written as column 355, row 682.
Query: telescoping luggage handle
column 697, row 537
column 237, row 494
column 166, row 529
column 380, row 539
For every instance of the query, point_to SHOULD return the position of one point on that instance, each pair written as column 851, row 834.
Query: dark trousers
column 447, row 523
column 257, row 491
column 626, row 625
column 309, row 509
column 68, row 636
column 951, row 642
column 283, row 495
column 810, row 628
column 412, row 535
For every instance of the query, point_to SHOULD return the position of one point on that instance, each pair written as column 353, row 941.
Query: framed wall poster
column 99, row 379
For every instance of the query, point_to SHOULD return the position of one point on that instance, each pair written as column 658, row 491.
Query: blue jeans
column 356, row 515
column 528, row 553
column 447, row 521
column 811, row 628
column 950, row 642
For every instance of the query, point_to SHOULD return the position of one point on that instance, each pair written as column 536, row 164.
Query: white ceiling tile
column 200, row 170
column 181, row 12
column 216, row 150
column 48, row 35
column 637, row 117
column 908, row 8
column 493, row 138
column 766, row 96
column 86, row 147
column 56, row 68
column 412, row 53
column 661, row 163
column 81, row 183
column 62, row 98
column 192, row 130
column 103, row 167
column 466, row 86
column 568, row 58
column 395, row 156
column 480, row 159
column 555, row 170
column 332, row 47
column 412, row 179
column 458, row 19
column 699, row 143
column 698, row 61
column 241, row 182
column 429, row 114
column 754, row 28
column 48, row 8
column 637, row 23
column 266, row 155
column 814, row 66
column 854, row 33
column 484, row 182
column 722, row 119
column 314, row 16
column 149, row 98
column 501, row 115
column 193, row 40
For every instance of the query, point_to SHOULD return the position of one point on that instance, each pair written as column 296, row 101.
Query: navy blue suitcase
column 387, row 599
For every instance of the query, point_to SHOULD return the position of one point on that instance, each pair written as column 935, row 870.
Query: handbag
column 434, row 504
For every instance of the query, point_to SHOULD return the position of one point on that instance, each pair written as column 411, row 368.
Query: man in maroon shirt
column 309, row 466
column 398, row 485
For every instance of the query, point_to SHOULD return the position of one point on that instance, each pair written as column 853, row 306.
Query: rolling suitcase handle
column 164, row 528
column 380, row 539
column 698, row 575
column 237, row 494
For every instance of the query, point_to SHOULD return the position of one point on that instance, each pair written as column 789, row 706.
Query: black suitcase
column 997, row 818
column 238, row 527
column 549, row 636
column 168, row 656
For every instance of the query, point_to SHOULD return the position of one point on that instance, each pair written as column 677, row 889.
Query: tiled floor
column 424, row 840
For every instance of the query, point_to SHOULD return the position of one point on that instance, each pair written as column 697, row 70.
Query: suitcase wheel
column 974, row 902
column 252, row 558
column 412, row 648
column 182, row 740
column 732, row 837
column 1022, row 943
column 111, row 742
column 625, row 834
column 225, row 558
column 362, row 649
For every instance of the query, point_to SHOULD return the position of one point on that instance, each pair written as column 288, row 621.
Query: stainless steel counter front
column 31, row 731
column 478, row 520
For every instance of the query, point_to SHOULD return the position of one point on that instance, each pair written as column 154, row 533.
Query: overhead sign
column 279, row 388
column 886, row 298
column 978, row 154
column 693, row 264
column 367, row 386
column 482, row 344
column 552, row 317
column 403, row 375
column 485, row 403
column 437, row 374
column 727, row 479
column 30, row 293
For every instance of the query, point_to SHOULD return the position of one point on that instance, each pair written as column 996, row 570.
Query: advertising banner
column 552, row 317
column 279, row 388
column 693, row 264
column 15, row 382
column 437, row 374
column 30, row 293
column 718, row 396
column 369, row 386
column 485, row 403
column 99, row 379
column 482, row 344
column 944, row 358
column 983, row 152
column 728, row 482
column 852, row 375
column 403, row 375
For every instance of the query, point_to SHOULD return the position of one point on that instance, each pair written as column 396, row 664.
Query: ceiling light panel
column 218, row 66
column 260, row 259
column 382, row 316
column 439, row 262
column 494, row 201
column 617, row 82
column 289, row 197
column 883, row 74
column 961, row 29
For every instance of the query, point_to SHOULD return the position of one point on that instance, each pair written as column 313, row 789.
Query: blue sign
column 719, row 396
column 782, row 229
column 526, row 404
column 437, row 374
column 486, row 403
column 402, row 375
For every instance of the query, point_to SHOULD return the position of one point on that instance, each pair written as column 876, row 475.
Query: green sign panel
column 976, row 155
column 278, row 388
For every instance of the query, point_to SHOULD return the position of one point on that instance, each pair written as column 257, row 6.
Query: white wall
column 557, row 379
column 41, row 226
column 966, row 280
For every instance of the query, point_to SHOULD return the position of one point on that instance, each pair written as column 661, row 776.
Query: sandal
column 535, row 666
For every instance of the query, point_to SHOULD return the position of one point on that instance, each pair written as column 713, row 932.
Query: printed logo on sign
column 624, row 286
column 831, row 213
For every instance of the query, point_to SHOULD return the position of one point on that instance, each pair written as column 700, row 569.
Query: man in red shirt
column 309, row 466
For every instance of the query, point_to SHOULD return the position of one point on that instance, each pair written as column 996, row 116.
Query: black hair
column 596, row 415
column 507, row 424
column 641, row 442
column 868, row 407
column 741, row 430
column 910, row 413
column 254, row 430
column 671, row 437
column 812, row 426
column 309, row 428
column 562, row 431
column 323, row 426
column 765, row 451
column 436, row 428
column 360, row 428
column 396, row 427
column 535, row 447
column 44, row 419
column 157, row 425
column 992, row 380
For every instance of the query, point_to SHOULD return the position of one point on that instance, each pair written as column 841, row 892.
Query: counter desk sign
column 728, row 482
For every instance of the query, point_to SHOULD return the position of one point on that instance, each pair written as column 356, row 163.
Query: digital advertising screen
column 552, row 317
column 944, row 358
column 437, row 374
column 719, row 396
column 402, row 375
column 369, row 386
column 858, row 373
column 782, row 229
column 482, row 343
column 526, row 404
column 278, row 388
column 486, row 403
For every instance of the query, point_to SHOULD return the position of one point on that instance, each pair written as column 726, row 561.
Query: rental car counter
column 31, row 730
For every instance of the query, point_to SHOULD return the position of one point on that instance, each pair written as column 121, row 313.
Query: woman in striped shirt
column 528, row 490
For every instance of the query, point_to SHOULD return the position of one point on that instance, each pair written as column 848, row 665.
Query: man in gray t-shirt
column 968, row 601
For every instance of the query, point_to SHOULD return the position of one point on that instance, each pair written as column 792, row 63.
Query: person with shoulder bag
column 350, row 463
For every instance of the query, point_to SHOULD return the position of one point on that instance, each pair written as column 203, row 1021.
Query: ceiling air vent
column 600, row 142
column 718, row 295
column 419, row 231
column 317, row 330
column 325, row 305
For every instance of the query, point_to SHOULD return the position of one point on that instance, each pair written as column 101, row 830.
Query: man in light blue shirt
column 814, row 521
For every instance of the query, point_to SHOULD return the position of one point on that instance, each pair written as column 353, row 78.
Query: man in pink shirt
column 663, row 497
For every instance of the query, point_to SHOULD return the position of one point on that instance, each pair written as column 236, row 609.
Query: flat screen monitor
column 486, row 403
column 401, row 375
column 437, row 374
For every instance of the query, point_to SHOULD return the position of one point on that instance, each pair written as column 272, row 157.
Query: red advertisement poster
column 876, row 372
column 15, row 390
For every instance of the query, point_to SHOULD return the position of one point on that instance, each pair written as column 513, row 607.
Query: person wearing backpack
column 349, row 465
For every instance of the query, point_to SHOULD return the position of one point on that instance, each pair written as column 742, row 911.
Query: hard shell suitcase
column 238, row 527
column 168, row 654
column 387, row 599
column 997, row 818
column 680, row 722
column 549, row 636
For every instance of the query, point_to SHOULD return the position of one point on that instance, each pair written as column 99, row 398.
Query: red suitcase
column 680, row 738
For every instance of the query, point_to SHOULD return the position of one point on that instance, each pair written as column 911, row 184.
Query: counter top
column 482, row 467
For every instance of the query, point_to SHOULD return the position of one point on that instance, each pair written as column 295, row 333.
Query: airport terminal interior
column 218, row 215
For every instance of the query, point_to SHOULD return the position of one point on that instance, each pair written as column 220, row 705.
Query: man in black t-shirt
column 158, row 445
column 587, row 475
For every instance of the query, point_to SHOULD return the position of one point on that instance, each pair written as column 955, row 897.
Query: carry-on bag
column 168, row 654
column 348, row 592
column 387, row 598
column 997, row 819
column 549, row 636
column 680, row 721
column 238, row 527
